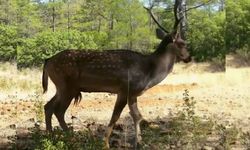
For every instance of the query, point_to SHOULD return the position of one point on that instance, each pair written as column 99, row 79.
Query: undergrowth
column 244, row 53
column 184, row 130
column 60, row 140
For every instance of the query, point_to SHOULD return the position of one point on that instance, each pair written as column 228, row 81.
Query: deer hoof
column 106, row 147
column 106, row 144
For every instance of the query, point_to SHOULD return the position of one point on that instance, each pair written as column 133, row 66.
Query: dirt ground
column 221, row 95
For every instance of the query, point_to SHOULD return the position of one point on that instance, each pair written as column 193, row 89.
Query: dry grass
column 19, row 84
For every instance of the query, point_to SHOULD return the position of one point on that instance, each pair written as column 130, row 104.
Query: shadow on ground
column 179, row 132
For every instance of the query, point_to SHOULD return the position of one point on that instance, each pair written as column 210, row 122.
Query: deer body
column 123, row 72
column 109, row 71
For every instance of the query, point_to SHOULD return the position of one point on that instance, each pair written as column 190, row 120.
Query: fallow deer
column 123, row 72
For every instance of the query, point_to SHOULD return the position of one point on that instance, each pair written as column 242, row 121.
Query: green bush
column 33, row 51
column 60, row 140
column 206, row 39
column 8, row 42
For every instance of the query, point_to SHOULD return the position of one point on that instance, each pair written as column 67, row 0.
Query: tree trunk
column 222, row 5
column 183, row 15
column 130, row 34
column 111, row 22
column 68, row 16
column 53, row 17
column 99, row 24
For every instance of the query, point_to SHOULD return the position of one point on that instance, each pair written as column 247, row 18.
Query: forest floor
column 223, row 96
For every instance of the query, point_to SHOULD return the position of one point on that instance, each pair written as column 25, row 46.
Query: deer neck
column 164, row 63
column 164, row 56
column 162, row 46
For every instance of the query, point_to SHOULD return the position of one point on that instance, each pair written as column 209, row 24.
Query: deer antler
column 153, row 17
column 177, row 20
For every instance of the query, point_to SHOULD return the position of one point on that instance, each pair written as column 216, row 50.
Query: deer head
column 177, row 44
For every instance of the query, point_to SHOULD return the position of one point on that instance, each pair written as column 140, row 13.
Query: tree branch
column 200, row 5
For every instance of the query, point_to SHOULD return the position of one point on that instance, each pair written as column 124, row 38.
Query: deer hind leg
column 61, row 105
column 121, row 102
column 137, row 117
column 49, row 109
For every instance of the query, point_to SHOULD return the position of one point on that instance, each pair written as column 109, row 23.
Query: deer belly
column 100, row 88
column 94, row 84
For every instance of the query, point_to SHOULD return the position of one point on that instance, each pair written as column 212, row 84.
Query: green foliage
column 206, row 38
column 8, row 42
column 34, row 50
column 48, row 145
column 60, row 140
column 238, row 24
column 27, row 25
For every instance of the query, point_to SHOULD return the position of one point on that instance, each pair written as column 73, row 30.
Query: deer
column 123, row 72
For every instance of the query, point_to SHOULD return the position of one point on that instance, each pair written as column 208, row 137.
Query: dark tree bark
column 182, row 14
column 68, row 16
column 53, row 17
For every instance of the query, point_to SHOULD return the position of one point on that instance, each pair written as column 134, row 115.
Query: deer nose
column 187, row 60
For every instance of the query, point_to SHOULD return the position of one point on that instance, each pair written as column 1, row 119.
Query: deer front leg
column 119, row 105
column 137, row 117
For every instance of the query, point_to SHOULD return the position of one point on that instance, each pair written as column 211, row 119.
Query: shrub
column 186, row 130
column 33, row 51
column 8, row 43
column 60, row 140
column 244, row 53
column 219, row 61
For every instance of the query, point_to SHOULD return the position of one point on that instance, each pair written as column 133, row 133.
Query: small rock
column 2, row 113
column 219, row 147
column 154, row 126
column 126, row 145
column 13, row 126
column 32, row 120
column 207, row 148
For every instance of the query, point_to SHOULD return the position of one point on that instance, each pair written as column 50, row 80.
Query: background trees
column 32, row 30
column 238, row 24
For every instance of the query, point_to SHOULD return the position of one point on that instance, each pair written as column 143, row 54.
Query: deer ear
column 160, row 34
column 175, row 36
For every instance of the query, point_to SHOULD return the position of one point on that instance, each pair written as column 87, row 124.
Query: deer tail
column 78, row 98
column 45, row 78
